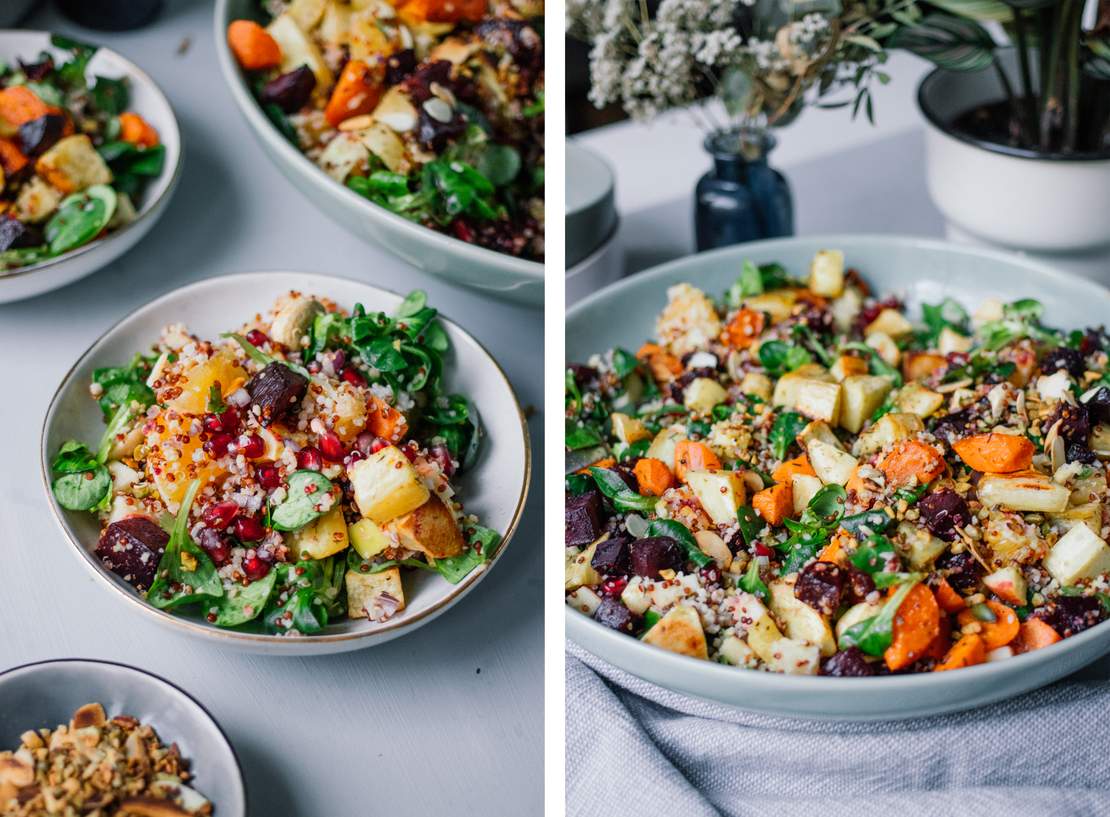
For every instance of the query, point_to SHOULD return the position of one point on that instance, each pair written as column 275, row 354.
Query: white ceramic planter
column 1054, row 206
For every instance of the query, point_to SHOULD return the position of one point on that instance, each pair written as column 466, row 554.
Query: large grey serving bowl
column 45, row 694
column 920, row 271
column 495, row 273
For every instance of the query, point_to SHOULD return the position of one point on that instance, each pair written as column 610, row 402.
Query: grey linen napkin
column 636, row 749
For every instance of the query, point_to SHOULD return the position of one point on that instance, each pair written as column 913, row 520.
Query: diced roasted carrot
column 949, row 600
column 996, row 453
column 357, row 91
column 919, row 365
column 774, row 504
column 252, row 45
column 385, row 421
column 664, row 366
column 785, row 470
column 136, row 130
column 968, row 651
column 856, row 483
column 12, row 159
column 912, row 458
column 19, row 104
column 653, row 476
column 834, row 551
column 744, row 329
column 443, row 11
column 694, row 456
column 997, row 633
column 1034, row 634
column 607, row 462
column 916, row 625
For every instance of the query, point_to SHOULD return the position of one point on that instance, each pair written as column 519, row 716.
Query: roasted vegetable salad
column 798, row 478
column 432, row 109
column 286, row 475
column 74, row 159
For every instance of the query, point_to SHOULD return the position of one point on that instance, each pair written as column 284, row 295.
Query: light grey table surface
column 447, row 720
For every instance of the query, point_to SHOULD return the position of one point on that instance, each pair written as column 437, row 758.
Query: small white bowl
column 488, row 271
column 146, row 100
column 494, row 488
column 47, row 693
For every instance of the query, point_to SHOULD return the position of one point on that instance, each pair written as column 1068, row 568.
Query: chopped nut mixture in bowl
column 808, row 472
column 143, row 748
column 296, row 475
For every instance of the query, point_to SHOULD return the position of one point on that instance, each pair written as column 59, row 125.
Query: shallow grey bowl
column 34, row 696
column 920, row 271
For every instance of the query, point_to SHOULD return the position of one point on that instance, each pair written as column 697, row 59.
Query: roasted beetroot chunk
column 611, row 557
column 1071, row 615
column 821, row 586
column 583, row 518
column 653, row 554
column 943, row 511
column 612, row 613
column 290, row 91
column 275, row 391
column 131, row 548
column 848, row 663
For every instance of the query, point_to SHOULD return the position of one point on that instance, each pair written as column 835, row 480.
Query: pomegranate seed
column 214, row 544
column 268, row 476
column 248, row 529
column 613, row 587
column 309, row 458
column 378, row 445
column 217, row 444
column 364, row 442
column 711, row 574
column 212, row 423
column 257, row 337
column 463, row 231
column 219, row 514
column 229, row 419
column 353, row 376
column 253, row 448
column 441, row 455
column 762, row 550
column 332, row 447
column 255, row 568
column 410, row 451
column 354, row 457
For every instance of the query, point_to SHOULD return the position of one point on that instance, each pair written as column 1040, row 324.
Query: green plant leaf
column 787, row 426
column 982, row 10
column 751, row 581
column 302, row 502
column 617, row 491
column 185, row 573
column 955, row 43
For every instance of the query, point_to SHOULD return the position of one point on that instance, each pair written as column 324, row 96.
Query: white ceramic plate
column 920, row 271
column 146, row 100
column 46, row 694
column 494, row 488
column 504, row 276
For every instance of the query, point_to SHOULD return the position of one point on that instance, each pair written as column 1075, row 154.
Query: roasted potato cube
column 817, row 399
column 343, row 155
column 919, row 365
column 679, row 631
column 952, row 341
column 890, row 322
column 887, row 430
column 320, row 538
column 386, row 485
column 584, row 600
column 578, row 571
column 884, row 344
column 37, row 200
column 634, row 596
column 758, row 384
column 803, row 487
column 431, row 529
column 845, row 308
column 703, row 394
column 777, row 304
column 383, row 142
column 719, row 492
column 365, row 592
column 73, row 164
column 826, row 273
column 663, row 446
column 763, row 633
column 1079, row 554
column 848, row 365
column 298, row 49
column 366, row 39
column 914, row 398
column 792, row 657
column 735, row 651
column 800, row 621
column 918, row 546
column 819, row 430
column 628, row 429
column 1089, row 514
column 1023, row 492
column 832, row 465
column 368, row 538
column 306, row 13
column 863, row 394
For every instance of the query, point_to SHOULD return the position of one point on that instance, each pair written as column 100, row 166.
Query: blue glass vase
column 742, row 198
